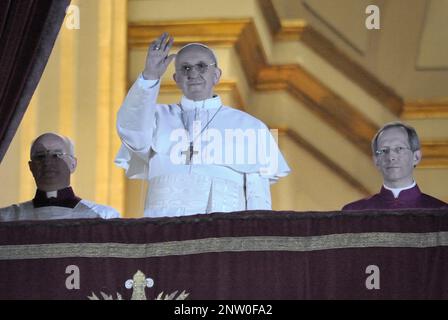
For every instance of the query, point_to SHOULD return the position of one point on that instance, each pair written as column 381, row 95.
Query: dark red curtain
column 263, row 255
column 28, row 30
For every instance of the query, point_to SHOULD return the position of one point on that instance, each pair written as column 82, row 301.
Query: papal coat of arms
column 138, row 283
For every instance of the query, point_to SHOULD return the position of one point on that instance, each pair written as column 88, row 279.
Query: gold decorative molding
column 224, row 86
column 301, row 30
column 262, row 76
column 425, row 110
column 326, row 161
column 435, row 154
column 218, row 32
column 283, row 30
column 330, row 107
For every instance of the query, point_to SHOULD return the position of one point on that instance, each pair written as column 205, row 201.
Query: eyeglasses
column 385, row 151
column 200, row 67
column 52, row 154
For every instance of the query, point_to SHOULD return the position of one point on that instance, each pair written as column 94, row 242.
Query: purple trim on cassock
column 66, row 198
column 407, row 199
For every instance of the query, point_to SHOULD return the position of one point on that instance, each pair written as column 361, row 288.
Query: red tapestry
column 243, row 255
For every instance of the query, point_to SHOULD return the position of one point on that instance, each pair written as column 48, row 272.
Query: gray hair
column 413, row 139
column 67, row 142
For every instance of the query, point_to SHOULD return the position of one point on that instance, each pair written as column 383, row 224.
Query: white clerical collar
column 396, row 191
column 212, row 103
column 52, row 194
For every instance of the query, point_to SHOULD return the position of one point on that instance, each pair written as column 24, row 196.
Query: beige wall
column 311, row 186
column 407, row 53
column 436, row 19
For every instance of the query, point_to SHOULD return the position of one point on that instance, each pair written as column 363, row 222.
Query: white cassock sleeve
column 258, row 194
column 136, row 118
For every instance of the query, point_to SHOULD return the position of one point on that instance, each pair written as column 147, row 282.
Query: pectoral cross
column 189, row 154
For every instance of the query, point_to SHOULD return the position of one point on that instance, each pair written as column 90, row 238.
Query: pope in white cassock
column 52, row 161
column 198, row 155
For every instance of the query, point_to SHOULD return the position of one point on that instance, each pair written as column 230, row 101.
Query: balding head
column 52, row 161
column 196, row 46
column 54, row 139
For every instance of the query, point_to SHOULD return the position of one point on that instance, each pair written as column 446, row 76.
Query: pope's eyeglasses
column 200, row 67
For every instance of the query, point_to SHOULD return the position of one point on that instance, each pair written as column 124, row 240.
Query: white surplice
column 83, row 210
column 216, row 180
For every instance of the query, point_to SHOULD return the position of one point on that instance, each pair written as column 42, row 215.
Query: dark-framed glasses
column 50, row 154
column 200, row 67
column 386, row 151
